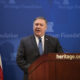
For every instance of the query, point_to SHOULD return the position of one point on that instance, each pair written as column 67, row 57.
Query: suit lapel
column 34, row 44
column 45, row 44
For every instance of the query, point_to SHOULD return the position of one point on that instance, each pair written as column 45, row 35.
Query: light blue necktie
column 40, row 46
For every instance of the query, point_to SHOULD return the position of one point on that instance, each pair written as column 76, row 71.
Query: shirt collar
column 41, row 37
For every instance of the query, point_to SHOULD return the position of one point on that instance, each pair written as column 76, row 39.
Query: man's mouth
column 38, row 30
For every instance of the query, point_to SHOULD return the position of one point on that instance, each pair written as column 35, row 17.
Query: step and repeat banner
column 16, row 21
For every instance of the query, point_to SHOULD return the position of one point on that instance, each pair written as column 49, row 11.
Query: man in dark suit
column 29, row 51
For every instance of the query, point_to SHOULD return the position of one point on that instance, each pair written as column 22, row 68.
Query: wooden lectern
column 53, row 66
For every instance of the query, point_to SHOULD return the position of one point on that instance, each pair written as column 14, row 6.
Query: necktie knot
column 39, row 39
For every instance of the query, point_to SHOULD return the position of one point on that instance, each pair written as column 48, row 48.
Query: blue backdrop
column 16, row 21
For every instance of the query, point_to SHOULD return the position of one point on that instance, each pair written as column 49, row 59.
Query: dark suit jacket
column 28, row 51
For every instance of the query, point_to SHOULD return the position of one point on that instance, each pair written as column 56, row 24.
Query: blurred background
column 16, row 21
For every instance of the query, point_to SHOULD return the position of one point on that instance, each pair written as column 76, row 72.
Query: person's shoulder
column 51, row 37
column 27, row 38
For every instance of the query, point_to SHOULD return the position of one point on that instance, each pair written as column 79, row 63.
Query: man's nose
column 38, row 26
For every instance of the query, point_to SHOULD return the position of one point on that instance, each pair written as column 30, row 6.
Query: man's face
column 39, row 27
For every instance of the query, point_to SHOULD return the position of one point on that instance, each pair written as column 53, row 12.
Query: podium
column 64, row 66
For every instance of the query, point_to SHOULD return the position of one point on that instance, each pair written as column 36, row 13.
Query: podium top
column 54, row 57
